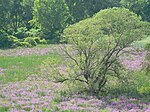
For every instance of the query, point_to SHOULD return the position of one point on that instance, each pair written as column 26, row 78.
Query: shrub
column 96, row 45
column 40, row 41
column 141, row 82
column 43, row 41
column 142, row 43
column 34, row 33
column 22, row 44
column 21, row 33
column 30, row 40
column 37, row 40
column 144, row 90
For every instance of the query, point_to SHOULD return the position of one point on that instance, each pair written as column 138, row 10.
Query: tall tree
column 4, row 13
column 15, row 14
column 27, row 12
column 52, row 16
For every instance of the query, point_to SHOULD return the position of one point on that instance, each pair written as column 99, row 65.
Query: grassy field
column 18, row 68
column 21, row 93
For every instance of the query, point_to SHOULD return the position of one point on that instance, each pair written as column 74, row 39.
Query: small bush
column 21, row 33
column 43, row 41
column 141, row 43
column 40, row 41
column 144, row 90
column 37, row 39
column 32, row 37
column 22, row 44
column 31, row 41
column 34, row 33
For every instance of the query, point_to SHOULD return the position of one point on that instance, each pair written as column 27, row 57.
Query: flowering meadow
column 37, row 94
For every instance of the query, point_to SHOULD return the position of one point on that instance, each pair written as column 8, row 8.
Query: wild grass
column 4, row 109
column 18, row 68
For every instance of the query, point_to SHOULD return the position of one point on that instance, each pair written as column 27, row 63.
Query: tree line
column 46, row 19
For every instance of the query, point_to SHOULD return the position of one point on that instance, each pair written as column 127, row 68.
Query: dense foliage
column 51, row 17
